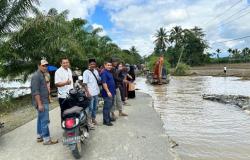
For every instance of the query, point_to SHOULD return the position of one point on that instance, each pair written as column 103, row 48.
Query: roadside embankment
column 238, row 100
column 236, row 69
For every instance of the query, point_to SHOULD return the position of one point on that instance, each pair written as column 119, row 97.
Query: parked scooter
column 75, row 121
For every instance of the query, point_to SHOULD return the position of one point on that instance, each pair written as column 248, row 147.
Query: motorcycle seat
column 74, row 109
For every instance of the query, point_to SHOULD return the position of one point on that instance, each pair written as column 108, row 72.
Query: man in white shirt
column 63, row 82
column 90, row 81
column 225, row 69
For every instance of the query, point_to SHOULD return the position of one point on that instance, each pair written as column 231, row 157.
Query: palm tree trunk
column 182, row 49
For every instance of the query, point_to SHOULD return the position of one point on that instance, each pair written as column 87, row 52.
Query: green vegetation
column 181, row 69
column 150, row 62
column 52, row 36
column 235, row 56
column 13, row 13
column 180, row 45
column 188, row 46
column 9, row 104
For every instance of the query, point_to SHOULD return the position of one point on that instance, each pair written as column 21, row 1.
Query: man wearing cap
column 91, row 79
column 40, row 99
column 64, row 83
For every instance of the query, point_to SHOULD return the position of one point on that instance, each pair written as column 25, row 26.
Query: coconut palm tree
column 137, row 59
column 12, row 13
column 161, row 40
column 198, row 32
column 46, row 35
column 229, row 51
column 245, row 53
column 133, row 51
column 218, row 53
column 176, row 35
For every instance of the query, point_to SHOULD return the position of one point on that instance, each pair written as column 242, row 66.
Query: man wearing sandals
column 40, row 99
column 91, row 79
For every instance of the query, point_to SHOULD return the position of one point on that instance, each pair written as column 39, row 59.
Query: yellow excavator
column 159, row 75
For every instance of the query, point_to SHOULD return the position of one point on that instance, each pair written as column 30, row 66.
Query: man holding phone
column 63, row 82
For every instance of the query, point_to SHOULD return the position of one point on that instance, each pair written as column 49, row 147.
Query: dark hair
column 107, row 62
column 63, row 58
column 92, row 60
column 114, row 59
column 120, row 64
column 131, row 69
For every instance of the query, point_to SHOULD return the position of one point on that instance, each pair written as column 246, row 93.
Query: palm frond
column 14, row 13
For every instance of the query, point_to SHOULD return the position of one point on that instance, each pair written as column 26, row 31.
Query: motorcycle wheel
column 77, row 152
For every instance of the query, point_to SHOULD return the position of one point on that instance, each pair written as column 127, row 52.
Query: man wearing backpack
column 91, row 79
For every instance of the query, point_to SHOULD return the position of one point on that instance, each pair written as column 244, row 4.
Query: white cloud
column 137, row 21
column 77, row 8
column 103, row 33
column 232, row 44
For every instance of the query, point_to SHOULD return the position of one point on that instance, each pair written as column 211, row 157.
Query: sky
column 134, row 22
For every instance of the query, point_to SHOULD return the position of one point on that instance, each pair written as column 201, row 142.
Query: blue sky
column 101, row 16
column 134, row 22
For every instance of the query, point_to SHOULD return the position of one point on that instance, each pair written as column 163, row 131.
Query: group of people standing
column 114, row 82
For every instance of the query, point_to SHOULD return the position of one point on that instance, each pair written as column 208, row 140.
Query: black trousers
column 122, row 91
column 63, row 105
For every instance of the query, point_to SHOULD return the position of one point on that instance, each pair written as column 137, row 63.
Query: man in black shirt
column 118, row 81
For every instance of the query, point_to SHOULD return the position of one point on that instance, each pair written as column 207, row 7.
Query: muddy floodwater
column 14, row 88
column 203, row 130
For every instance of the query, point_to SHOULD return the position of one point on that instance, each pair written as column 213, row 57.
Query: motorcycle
column 75, row 121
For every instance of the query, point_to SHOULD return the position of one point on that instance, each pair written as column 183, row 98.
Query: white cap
column 44, row 62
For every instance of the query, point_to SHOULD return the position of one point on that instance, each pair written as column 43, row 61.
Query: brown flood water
column 204, row 130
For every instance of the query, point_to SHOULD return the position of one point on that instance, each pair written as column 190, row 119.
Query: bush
column 182, row 70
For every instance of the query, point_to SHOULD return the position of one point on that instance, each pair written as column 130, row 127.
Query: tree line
column 184, row 45
column 190, row 47
column 234, row 56
column 24, row 40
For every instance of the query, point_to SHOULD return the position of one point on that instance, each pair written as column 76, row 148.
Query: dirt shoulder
column 24, row 113
column 238, row 70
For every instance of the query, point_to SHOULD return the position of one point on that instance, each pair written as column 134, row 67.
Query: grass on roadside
column 11, row 104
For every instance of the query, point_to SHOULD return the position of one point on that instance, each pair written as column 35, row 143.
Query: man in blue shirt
column 108, row 92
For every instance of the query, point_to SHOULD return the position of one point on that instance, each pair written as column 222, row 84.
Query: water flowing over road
column 203, row 130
